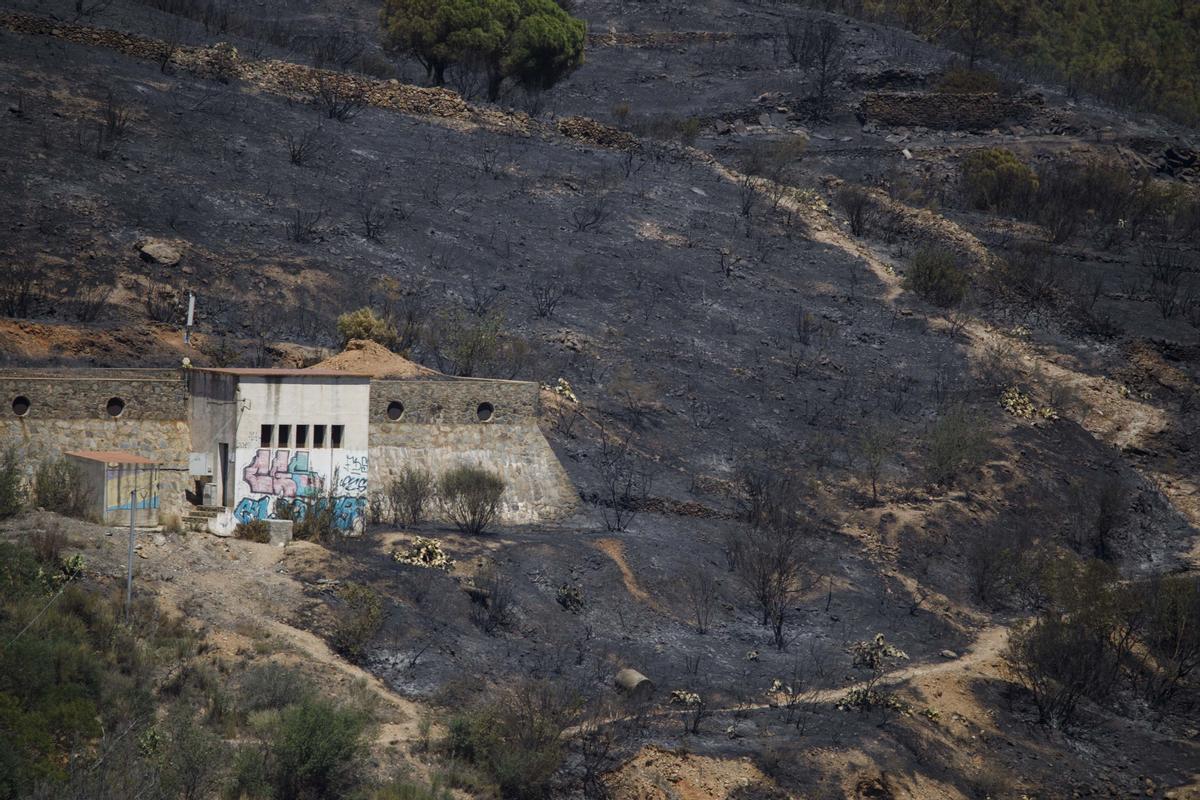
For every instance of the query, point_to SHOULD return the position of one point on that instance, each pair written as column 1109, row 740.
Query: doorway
column 225, row 474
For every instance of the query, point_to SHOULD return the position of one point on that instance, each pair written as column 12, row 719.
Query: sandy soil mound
column 654, row 773
column 362, row 355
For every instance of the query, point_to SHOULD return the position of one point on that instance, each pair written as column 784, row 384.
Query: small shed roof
column 110, row 456
column 282, row 372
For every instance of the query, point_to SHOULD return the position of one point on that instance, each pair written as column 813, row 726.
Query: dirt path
column 243, row 594
column 615, row 550
column 986, row 648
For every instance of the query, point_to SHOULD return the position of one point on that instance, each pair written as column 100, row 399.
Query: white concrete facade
column 299, row 439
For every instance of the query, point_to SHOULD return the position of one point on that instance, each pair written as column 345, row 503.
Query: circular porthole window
column 115, row 407
column 484, row 412
column 395, row 410
column 20, row 406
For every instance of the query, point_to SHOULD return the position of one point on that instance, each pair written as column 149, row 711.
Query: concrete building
column 231, row 445
column 115, row 482
column 264, row 437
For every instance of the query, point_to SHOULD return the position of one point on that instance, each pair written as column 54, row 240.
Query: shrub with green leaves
column 272, row 686
column 366, row 324
column 255, row 530
column 358, row 620
column 936, row 277
column 516, row 737
column 69, row 671
column 996, row 180
column 409, row 495
column 956, row 444
column 12, row 497
column 962, row 79
column 58, row 486
column 470, row 497
column 318, row 749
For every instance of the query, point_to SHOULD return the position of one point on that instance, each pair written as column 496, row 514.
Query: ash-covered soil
column 711, row 320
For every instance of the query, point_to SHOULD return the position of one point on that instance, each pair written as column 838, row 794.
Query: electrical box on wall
column 200, row 464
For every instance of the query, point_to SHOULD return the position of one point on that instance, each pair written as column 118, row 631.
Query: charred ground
column 709, row 319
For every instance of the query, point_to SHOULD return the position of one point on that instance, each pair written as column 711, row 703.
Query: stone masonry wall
column 440, row 429
column 455, row 401
column 538, row 487
column 67, row 411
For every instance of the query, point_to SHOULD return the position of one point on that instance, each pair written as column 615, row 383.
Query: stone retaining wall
column 538, row 487
column 440, row 427
column 68, row 411
column 456, row 401
column 970, row 112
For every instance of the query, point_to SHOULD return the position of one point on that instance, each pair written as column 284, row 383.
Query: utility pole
column 191, row 313
column 129, row 572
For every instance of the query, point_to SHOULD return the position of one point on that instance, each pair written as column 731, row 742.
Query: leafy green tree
column 1139, row 53
column 534, row 42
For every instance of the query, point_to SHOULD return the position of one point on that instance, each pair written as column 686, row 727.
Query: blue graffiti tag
column 347, row 511
column 249, row 509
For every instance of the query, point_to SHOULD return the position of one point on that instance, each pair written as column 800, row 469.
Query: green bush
column 192, row 757
column 996, row 180
column 516, row 738
column 358, row 620
column 961, row 79
column 313, row 520
column 255, row 530
column 366, row 324
column 310, row 749
column 272, row 686
column 58, row 486
column 316, row 750
column 470, row 497
column 1171, row 636
column 12, row 498
column 936, row 277
column 409, row 495
column 405, row 789
column 69, row 671
column 469, row 345
column 957, row 444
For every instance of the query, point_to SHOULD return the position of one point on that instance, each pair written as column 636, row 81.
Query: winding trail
column 986, row 648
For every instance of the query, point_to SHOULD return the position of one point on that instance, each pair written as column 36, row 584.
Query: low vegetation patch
column 58, row 486
column 996, row 180
column 470, row 497
column 256, row 530
column 358, row 619
column 936, row 276
column 1096, row 634
column 366, row 324
column 410, row 494
column 516, row 737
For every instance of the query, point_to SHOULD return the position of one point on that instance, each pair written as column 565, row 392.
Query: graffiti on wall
column 277, row 479
column 282, row 476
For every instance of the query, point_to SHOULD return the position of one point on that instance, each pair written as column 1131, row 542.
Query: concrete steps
column 195, row 518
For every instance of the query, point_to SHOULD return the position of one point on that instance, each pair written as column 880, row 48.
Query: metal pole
column 129, row 572
column 191, row 312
